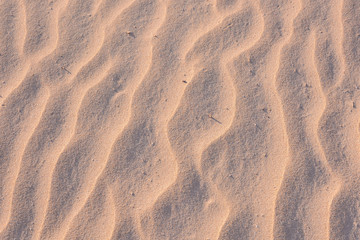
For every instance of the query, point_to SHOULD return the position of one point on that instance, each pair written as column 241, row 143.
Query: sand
column 180, row 119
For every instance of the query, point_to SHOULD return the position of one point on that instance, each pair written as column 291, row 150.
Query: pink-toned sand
column 179, row 119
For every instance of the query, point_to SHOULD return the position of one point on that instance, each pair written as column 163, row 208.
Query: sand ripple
column 179, row 119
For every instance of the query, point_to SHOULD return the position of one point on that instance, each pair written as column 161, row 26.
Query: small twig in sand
column 210, row 116
column 257, row 126
column 66, row 70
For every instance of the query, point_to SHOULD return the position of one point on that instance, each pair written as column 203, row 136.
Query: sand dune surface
column 180, row 119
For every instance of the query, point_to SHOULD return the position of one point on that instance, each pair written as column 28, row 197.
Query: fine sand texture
column 179, row 119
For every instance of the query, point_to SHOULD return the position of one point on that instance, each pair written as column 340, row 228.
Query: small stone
column 131, row 34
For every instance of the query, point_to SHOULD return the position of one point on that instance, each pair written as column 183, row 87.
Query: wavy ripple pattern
column 179, row 119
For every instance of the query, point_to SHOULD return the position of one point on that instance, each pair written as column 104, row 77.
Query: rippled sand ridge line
column 179, row 119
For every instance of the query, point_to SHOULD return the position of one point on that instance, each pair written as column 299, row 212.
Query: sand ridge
column 179, row 119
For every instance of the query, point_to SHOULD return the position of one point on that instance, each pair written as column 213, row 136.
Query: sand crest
column 179, row 119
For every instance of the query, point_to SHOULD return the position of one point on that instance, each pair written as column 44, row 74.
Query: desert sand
column 180, row 119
